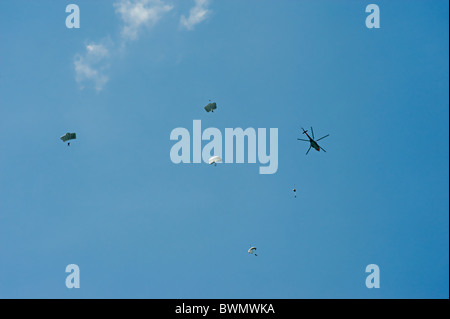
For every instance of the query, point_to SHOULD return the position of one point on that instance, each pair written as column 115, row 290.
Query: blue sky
column 139, row 226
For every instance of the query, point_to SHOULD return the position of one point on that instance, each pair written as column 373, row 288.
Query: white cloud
column 97, row 51
column 90, row 66
column 196, row 15
column 135, row 14
column 138, row 13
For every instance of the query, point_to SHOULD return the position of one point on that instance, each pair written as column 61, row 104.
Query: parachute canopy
column 215, row 159
column 68, row 136
column 211, row 107
column 250, row 251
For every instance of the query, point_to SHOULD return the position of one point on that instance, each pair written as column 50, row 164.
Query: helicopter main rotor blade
column 322, row 149
column 312, row 132
column 323, row 137
column 300, row 139
column 308, row 150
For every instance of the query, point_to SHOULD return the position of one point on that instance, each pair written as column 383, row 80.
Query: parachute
column 214, row 160
column 68, row 136
column 250, row 251
column 211, row 107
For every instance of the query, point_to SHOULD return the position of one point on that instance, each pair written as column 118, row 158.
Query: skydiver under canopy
column 214, row 160
column 67, row 137
column 211, row 107
column 250, row 251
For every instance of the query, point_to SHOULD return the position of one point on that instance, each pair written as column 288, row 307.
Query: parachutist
column 214, row 160
column 67, row 137
column 211, row 107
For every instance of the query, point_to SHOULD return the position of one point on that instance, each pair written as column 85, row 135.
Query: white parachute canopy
column 250, row 251
column 215, row 159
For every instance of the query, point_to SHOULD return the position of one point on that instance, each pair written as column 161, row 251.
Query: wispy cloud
column 138, row 13
column 196, row 15
column 91, row 65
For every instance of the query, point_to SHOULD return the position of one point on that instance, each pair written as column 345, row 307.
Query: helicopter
column 312, row 142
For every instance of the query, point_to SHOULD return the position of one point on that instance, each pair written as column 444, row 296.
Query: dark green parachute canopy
column 211, row 107
column 68, row 136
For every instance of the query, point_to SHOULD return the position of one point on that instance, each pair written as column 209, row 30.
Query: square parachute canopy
column 68, row 136
column 210, row 107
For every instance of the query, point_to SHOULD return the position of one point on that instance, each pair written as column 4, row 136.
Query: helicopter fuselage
column 313, row 143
